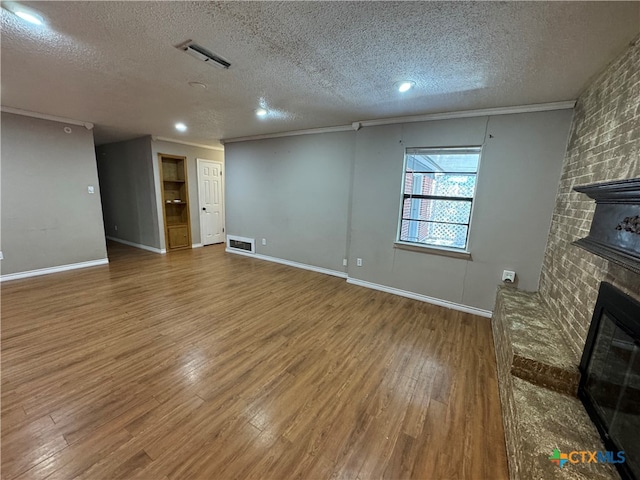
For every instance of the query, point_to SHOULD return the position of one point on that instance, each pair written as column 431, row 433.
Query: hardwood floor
column 204, row 365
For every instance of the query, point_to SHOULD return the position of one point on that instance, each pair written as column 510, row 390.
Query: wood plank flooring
column 206, row 365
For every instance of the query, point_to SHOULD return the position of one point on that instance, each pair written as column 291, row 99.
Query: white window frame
column 429, row 248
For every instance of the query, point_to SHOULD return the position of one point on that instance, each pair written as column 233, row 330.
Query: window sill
column 447, row 252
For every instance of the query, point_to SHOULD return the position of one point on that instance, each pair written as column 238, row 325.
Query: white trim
column 374, row 286
column 423, row 298
column 46, row 271
column 138, row 245
column 304, row 266
column 45, row 116
column 537, row 107
column 432, row 250
column 191, row 144
column 196, row 245
column 240, row 252
column 310, row 131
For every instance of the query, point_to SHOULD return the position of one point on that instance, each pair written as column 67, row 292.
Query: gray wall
column 293, row 191
column 273, row 186
column 192, row 153
column 48, row 218
column 517, row 182
column 129, row 191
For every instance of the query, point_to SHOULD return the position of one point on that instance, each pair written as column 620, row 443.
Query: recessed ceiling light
column 181, row 127
column 28, row 16
column 405, row 85
column 261, row 112
column 197, row 85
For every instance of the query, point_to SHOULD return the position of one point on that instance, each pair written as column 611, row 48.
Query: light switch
column 90, row 189
column 1, row 256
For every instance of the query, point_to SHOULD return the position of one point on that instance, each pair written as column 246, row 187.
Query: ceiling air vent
column 203, row 54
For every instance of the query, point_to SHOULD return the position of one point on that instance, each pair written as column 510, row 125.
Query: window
column 437, row 195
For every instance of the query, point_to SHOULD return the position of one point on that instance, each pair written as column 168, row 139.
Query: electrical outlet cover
column 508, row 276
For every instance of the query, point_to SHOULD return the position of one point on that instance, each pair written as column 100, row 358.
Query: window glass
column 438, row 190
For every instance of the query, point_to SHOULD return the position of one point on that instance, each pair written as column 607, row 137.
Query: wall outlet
column 344, row 262
column 264, row 241
column 359, row 262
column 91, row 189
column 115, row 227
column 508, row 276
column 1, row 256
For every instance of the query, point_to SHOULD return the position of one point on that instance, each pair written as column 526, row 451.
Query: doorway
column 210, row 201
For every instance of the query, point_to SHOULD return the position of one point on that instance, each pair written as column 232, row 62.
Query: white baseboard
column 423, row 298
column 304, row 266
column 196, row 245
column 383, row 288
column 60, row 268
column 238, row 252
column 137, row 245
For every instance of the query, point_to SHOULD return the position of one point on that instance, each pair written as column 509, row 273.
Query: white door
column 211, row 198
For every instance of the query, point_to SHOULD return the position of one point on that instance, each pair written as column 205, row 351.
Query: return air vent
column 203, row 54
column 241, row 244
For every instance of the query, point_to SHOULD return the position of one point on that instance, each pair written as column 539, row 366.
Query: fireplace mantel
column 615, row 228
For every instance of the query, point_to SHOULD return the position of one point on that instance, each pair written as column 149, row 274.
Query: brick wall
column 406, row 206
column 604, row 144
column 426, row 188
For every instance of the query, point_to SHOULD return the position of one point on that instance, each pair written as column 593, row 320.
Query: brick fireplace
column 604, row 145
column 540, row 336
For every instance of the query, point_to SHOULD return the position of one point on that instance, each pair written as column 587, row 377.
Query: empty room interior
column 314, row 240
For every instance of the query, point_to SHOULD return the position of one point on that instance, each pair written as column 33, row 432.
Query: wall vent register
column 241, row 243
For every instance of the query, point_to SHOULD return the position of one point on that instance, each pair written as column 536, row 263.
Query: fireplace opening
column 610, row 383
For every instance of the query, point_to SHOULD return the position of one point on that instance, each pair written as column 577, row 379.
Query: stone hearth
column 538, row 379
column 535, row 350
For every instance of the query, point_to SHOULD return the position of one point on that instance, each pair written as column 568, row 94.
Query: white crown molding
column 538, row 107
column 304, row 266
column 423, row 298
column 310, row 131
column 137, row 245
column 191, row 144
column 47, row 271
column 44, row 116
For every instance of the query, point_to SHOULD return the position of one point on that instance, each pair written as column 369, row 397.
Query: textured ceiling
column 313, row 64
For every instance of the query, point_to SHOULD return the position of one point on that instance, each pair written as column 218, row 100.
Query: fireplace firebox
column 610, row 382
